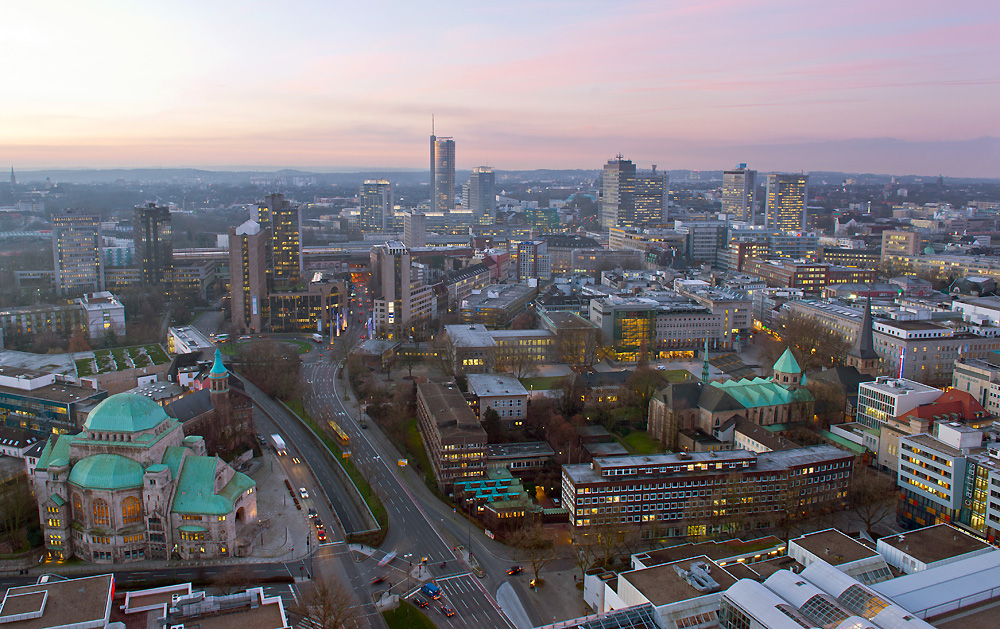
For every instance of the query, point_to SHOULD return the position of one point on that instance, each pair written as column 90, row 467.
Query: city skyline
column 852, row 87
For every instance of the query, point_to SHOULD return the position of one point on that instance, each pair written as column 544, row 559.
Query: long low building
column 684, row 494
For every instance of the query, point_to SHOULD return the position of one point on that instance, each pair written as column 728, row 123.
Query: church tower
column 218, row 379
column 787, row 371
column 862, row 355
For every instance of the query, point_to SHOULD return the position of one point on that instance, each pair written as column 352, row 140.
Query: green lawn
column 542, row 383
column 373, row 501
column 406, row 616
column 677, row 375
column 638, row 442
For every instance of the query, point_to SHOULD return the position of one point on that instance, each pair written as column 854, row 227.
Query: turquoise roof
column 755, row 392
column 126, row 412
column 172, row 459
column 787, row 363
column 195, row 488
column 106, row 471
column 56, row 449
column 218, row 369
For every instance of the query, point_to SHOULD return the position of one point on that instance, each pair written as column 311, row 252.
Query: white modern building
column 891, row 397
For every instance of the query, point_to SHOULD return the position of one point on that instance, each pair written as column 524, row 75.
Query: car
column 303, row 493
column 514, row 570
column 378, row 580
column 296, row 460
column 319, row 523
column 312, row 512
column 555, row 501
column 244, row 338
column 447, row 611
column 421, row 602
column 321, row 535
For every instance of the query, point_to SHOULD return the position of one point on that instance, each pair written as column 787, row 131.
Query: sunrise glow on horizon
column 519, row 85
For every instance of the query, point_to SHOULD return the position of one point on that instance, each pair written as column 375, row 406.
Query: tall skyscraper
column 76, row 252
column 401, row 303
column 414, row 229
column 284, row 254
column 617, row 196
column 248, row 276
column 376, row 205
column 651, row 189
column 739, row 193
column 442, row 173
column 786, row 201
column 154, row 242
column 482, row 195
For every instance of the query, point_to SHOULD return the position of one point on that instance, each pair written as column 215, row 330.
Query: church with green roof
column 132, row 486
column 702, row 415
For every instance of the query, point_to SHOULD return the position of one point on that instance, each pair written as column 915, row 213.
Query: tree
column 495, row 430
column 830, row 402
column 329, row 605
column 641, row 386
column 232, row 581
column 272, row 367
column 812, row 343
column 17, row 508
column 527, row 320
column 520, row 363
column 872, row 497
column 577, row 346
column 535, row 547
column 409, row 360
column 78, row 342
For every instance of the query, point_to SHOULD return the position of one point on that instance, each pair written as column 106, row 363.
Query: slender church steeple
column 863, row 355
column 13, row 179
column 704, row 365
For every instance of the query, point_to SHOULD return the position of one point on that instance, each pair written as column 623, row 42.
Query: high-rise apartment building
column 376, row 205
column 400, row 303
column 739, row 193
column 651, row 190
column 617, row 196
column 76, row 252
column 248, row 276
column 786, row 201
column 533, row 261
column 414, row 229
column 482, row 196
column 281, row 220
column 154, row 242
column 442, row 174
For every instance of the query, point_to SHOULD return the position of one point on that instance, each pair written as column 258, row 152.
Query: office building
column 442, row 174
column 786, row 201
column 811, row 277
column 454, row 439
column 321, row 306
column 705, row 240
column 281, row 220
column 400, row 302
column 482, row 195
column 891, row 397
column 475, row 349
column 739, row 193
column 497, row 304
column 248, row 276
column 41, row 401
column 94, row 314
column 651, row 197
column 414, row 229
column 704, row 492
column 503, row 393
column 616, row 205
column 533, row 261
column 161, row 495
column 76, row 252
column 899, row 243
column 857, row 258
column 376, row 205
column 104, row 315
column 154, row 242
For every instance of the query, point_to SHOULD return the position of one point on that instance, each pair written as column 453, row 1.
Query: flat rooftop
column 930, row 443
column 495, row 385
column 474, row 335
column 935, row 543
column 63, row 393
column 834, row 547
column 526, row 449
column 716, row 551
column 21, row 372
column 898, row 386
column 449, row 410
column 69, row 602
column 661, row 584
column 498, row 296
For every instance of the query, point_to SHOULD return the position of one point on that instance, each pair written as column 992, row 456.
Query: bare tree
column 872, row 497
column 232, row 581
column 409, row 360
column 535, row 546
column 329, row 605
column 812, row 343
column 17, row 507
column 517, row 362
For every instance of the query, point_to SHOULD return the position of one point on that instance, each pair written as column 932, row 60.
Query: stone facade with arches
column 132, row 486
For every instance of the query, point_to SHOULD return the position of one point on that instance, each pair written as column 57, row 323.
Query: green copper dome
column 125, row 412
column 106, row 471
column 218, row 369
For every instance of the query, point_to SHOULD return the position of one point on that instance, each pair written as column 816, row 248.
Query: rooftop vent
column 698, row 577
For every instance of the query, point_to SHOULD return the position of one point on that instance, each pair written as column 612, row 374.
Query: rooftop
column 662, row 585
column 931, row 443
column 69, row 602
column 525, row 449
column 898, row 386
column 935, row 543
column 716, row 551
column 493, row 384
column 449, row 410
column 834, row 547
column 498, row 296
column 62, row 393
column 474, row 335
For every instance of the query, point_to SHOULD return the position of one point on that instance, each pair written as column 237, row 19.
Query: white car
column 303, row 493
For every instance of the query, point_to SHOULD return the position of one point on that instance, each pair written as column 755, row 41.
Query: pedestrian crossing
column 471, row 602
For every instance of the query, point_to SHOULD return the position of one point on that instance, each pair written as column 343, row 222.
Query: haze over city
column 889, row 87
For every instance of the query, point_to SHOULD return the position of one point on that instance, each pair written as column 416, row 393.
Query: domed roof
column 106, row 471
column 125, row 412
column 218, row 369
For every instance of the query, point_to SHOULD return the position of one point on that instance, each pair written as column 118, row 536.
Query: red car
column 321, row 535
column 447, row 611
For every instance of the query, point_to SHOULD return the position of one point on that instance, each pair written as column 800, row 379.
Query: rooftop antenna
column 432, row 124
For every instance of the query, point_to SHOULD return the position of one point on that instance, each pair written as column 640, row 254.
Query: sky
column 330, row 84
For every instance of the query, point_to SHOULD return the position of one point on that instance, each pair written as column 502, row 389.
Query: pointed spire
column 704, row 366
column 864, row 345
column 218, row 369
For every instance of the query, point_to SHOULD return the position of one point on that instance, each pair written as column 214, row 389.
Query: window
column 102, row 515
column 77, row 507
column 131, row 510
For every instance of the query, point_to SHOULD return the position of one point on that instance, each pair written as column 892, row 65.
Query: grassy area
column 415, row 450
column 406, row 616
column 677, row 375
column 85, row 367
column 371, row 498
column 639, row 442
column 542, row 383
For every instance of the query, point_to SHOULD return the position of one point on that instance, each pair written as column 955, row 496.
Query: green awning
column 191, row 528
